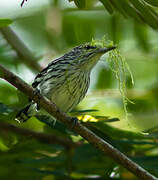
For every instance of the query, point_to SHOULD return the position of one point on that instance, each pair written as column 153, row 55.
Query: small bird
column 65, row 80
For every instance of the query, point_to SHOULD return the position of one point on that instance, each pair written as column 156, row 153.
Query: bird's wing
column 40, row 76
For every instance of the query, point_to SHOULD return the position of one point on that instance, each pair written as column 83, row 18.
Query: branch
column 21, row 49
column 99, row 143
column 46, row 138
column 22, row 3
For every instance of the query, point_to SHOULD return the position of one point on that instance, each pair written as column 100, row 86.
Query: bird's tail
column 23, row 114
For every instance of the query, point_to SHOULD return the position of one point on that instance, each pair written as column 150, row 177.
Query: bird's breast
column 71, row 91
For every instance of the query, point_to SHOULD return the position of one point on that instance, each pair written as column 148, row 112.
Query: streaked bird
column 65, row 80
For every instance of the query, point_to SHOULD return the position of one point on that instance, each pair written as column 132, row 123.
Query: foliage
column 50, row 32
column 140, row 10
column 5, row 22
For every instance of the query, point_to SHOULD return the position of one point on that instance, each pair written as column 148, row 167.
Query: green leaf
column 137, row 9
column 152, row 11
column 116, row 133
column 3, row 147
column 108, row 6
column 131, row 11
column 7, row 94
column 146, row 13
column 88, row 160
column 152, row 2
column 148, row 162
column 52, row 126
column 81, row 4
column 81, row 112
column 116, row 4
column 106, row 119
column 5, row 109
column 5, row 22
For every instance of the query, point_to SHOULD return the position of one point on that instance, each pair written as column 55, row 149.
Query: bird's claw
column 74, row 121
column 38, row 95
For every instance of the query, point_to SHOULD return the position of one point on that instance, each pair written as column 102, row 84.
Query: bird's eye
column 89, row 47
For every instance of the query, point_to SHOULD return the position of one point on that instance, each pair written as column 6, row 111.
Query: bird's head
column 86, row 56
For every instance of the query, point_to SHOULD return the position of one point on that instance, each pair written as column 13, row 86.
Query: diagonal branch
column 21, row 49
column 45, row 138
column 22, row 3
column 99, row 143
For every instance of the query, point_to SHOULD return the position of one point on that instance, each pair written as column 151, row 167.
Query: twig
column 21, row 49
column 45, row 138
column 99, row 143
column 22, row 3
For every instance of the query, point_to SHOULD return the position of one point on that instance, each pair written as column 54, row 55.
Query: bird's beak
column 104, row 50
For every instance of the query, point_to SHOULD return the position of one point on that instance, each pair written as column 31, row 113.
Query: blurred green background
column 49, row 29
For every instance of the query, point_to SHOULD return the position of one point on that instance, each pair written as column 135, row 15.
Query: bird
column 65, row 80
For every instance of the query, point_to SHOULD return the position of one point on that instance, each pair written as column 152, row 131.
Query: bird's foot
column 38, row 95
column 74, row 121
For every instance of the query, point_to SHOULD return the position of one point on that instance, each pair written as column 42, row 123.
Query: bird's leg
column 74, row 121
column 37, row 93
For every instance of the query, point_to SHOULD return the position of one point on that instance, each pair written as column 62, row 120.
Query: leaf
column 131, row 11
column 136, row 142
column 60, row 172
column 145, row 12
column 140, row 10
column 116, row 4
column 4, row 109
column 106, row 119
column 85, row 111
column 108, row 6
column 152, row 2
column 7, row 94
column 6, row 112
column 5, row 22
column 81, row 4
column 53, row 126
column 23, row 152
column 117, row 133
column 3, row 147
column 88, row 160
column 148, row 162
